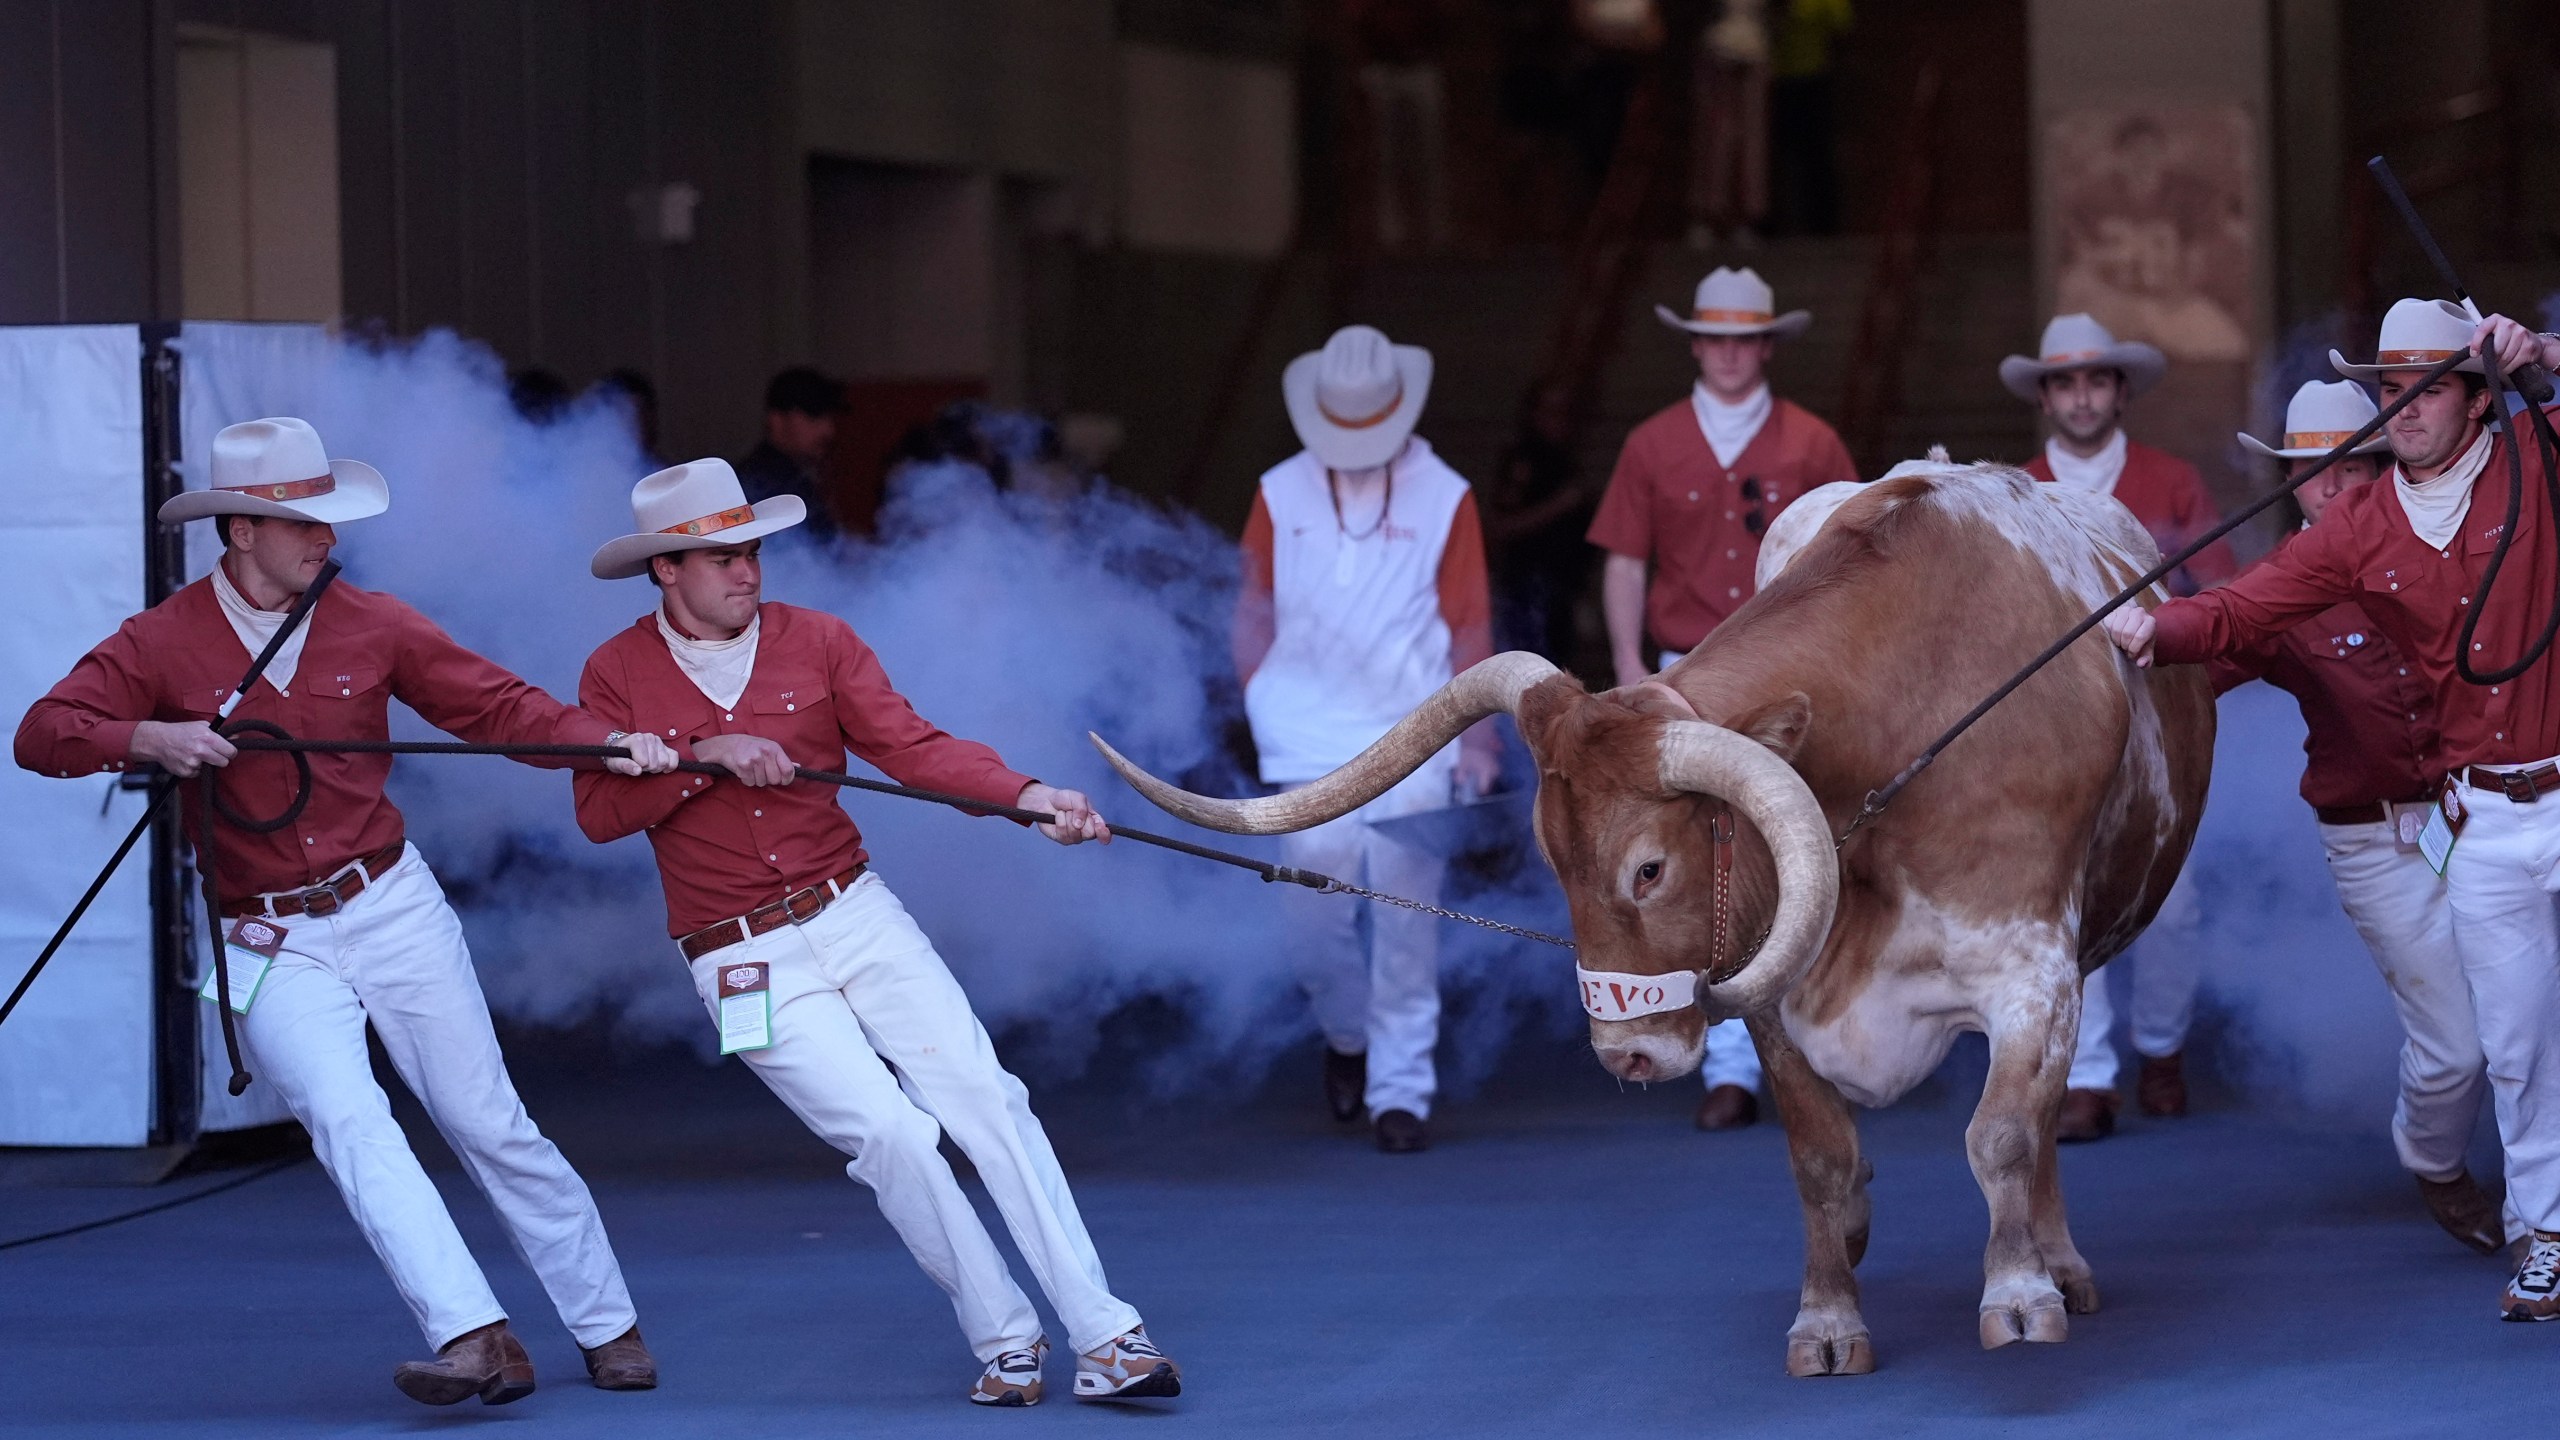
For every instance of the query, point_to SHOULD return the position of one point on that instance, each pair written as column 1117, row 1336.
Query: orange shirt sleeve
column 1466, row 595
column 1255, row 624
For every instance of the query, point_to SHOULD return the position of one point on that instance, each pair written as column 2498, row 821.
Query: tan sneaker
column 2535, row 1292
column 1129, row 1368
column 1012, row 1378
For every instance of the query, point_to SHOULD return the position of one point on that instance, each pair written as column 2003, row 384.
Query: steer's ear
column 1781, row 724
column 1542, row 706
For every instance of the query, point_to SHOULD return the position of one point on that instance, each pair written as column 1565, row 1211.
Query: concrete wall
column 86, row 222
column 2181, row 60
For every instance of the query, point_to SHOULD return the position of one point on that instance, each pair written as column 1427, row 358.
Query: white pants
column 859, row 985
column 2500, row 882
column 396, row 956
column 1385, row 1000
column 2399, row 907
column 2166, row 965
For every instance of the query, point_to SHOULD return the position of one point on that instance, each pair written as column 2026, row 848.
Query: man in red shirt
column 335, row 920
column 2081, row 378
column 807, row 962
column 2373, row 758
column 1695, row 488
column 2412, row 552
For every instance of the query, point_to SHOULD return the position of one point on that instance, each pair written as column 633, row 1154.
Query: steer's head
column 1632, row 788
column 1673, row 887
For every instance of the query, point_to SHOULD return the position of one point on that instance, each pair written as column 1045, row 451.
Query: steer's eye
column 1646, row 874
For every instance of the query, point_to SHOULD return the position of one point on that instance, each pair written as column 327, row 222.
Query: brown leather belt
column 329, row 896
column 2522, row 786
column 795, row 908
column 2377, row 813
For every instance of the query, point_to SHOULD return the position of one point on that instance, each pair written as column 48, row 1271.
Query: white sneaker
column 2533, row 1295
column 1012, row 1378
column 1129, row 1368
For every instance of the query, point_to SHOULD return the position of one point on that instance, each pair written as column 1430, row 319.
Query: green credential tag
column 746, row 1007
column 253, row 945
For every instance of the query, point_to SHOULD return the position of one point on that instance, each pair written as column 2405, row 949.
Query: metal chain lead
column 1339, row 887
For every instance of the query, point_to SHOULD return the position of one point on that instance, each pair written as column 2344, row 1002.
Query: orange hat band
column 1733, row 317
column 1363, row 422
column 713, row 524
column 2412, row 357
column 286, row 490
column 2317, row 439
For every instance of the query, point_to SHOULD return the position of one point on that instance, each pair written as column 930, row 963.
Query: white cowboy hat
column 278, row 468
column 2323, row 414
column 2077, row 342
column 1736, row 302
column 1354, row 401
column 698, row 505
column 2416, row 334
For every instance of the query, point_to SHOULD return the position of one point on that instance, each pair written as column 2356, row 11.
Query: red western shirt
column 178, row 660
column 1671, row 503
column 2167, row 495
column 2371, row 720
column 2363, row 550
column 725, row 848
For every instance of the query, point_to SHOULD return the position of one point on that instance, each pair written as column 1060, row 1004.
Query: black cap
column 805, row 391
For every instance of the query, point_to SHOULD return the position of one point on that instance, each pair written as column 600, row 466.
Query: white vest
column 1358, row 639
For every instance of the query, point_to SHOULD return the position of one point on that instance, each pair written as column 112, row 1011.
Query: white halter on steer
column 1614, row 995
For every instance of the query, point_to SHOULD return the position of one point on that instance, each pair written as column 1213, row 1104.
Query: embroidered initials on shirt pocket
column 351, row 684
column 791, row 697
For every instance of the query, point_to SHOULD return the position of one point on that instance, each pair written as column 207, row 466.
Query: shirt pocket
column 789, row 709
column 353, row 684
column 203, row 702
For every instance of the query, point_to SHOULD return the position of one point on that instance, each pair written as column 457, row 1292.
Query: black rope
column 1877, row 800
column 207, row 1193
column 274, row 739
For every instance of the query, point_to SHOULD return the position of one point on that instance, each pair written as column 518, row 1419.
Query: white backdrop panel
column 75, row 1061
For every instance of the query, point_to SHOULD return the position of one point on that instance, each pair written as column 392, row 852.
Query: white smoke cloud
column 1005, row 617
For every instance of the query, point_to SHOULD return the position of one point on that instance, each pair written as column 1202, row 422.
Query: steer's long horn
column 1711, row 760
column 1489, row 687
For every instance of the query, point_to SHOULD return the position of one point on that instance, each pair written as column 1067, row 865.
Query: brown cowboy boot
column 622, row 1363
column 487, row 1362
column 2086, row 1115
column 2161, row 1089
column 2466, row 1212
column 1727, row 1107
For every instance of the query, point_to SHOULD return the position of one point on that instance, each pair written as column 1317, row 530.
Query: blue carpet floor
column 1568, row 1261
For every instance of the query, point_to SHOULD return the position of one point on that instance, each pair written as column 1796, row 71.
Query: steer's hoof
column 2079, row 1294
column 2038, row 1322
column 1812, row 1355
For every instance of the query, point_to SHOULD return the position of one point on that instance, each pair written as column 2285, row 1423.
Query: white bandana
column 255, row 627
column 718, row 668
column 2098, row 474
column 1729, row 428
column 2435, row 507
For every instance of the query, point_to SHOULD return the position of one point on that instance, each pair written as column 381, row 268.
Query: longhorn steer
column 2037, row 848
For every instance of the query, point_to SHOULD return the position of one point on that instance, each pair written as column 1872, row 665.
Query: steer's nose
column 1632, row 1065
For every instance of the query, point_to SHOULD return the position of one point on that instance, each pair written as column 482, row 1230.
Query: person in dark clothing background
column 801, row 408
column 1535, row 513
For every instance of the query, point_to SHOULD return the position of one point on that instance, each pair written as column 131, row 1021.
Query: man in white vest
column 1364, row 592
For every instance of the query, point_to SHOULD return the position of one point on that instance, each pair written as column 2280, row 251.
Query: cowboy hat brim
column 1356, row 447
column 1780, row 327
column 628, row 555
column 2255, row 445
column 2142, row 366
column 361, row 493
column 2344, row 366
